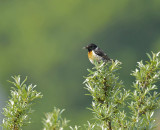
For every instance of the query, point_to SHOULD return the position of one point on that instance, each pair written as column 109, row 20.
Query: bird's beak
column 86, row 47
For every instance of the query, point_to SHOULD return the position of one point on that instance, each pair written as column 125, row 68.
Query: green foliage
column 18, row 107
column 75, row 127
column 109, row 100
column 54, row 121
column 108, row 95
column 145, row 99
column 43, row 39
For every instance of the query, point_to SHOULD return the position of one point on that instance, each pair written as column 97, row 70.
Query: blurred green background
column 43, row 40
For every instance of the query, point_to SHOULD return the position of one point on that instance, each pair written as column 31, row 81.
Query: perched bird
column 96, row 54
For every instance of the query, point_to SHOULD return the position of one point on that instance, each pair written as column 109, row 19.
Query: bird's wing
column 99, row 52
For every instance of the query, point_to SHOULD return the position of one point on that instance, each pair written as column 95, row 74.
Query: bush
column 18, row 107
column 110, row 99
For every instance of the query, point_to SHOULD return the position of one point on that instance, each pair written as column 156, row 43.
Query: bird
column 95, row 54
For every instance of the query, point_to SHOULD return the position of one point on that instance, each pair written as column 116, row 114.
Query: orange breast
column 90, row 55
column 93, row 57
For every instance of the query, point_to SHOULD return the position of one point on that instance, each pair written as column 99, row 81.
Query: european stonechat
column 95, row 54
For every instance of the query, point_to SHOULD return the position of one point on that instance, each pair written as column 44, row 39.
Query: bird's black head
column 91, row 47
